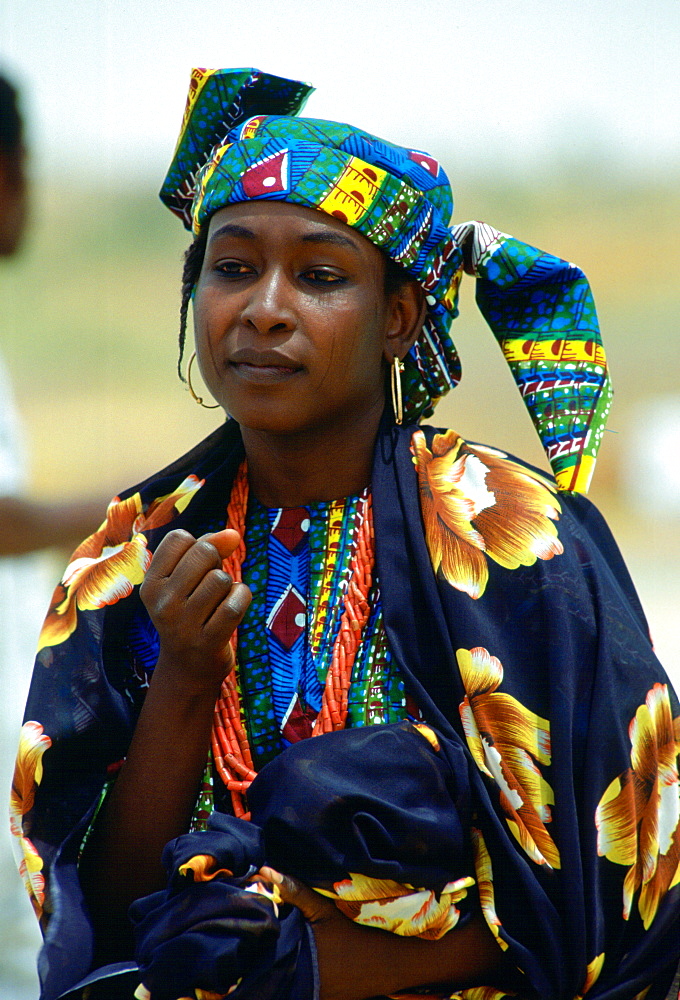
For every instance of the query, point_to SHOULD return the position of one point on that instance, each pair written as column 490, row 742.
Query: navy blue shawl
column 577, row 887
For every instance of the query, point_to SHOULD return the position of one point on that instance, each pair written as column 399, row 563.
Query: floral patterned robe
column 520, row 637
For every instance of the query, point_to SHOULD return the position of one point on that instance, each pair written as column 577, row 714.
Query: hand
column 348, row 967
column 195, row 605
column 360, row 963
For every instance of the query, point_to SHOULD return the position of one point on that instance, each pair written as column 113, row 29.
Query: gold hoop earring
column 395, row 382
column 198, row 399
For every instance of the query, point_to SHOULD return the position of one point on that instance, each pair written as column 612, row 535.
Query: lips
column 263, row 366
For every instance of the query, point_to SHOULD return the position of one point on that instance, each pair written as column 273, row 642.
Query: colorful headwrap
column 238, row 143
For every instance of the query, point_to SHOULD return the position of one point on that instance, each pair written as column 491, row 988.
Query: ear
column 407, row 310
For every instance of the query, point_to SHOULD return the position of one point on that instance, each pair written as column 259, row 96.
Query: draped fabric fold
column 518, row 633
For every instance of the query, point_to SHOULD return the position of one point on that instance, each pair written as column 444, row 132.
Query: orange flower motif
column 478, row 504
column 399, row 908
column 505, row 740
column 141, row 993
column 592, row 975
column 638, row 817
column 482, row 993
column 28, row 773
column 484, row 873
column 203, row 868
column 108, row 564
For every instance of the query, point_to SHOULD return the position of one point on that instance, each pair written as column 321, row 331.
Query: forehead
column 270, row 220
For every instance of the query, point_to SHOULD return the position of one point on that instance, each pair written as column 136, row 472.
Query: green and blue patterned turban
column 240, row 141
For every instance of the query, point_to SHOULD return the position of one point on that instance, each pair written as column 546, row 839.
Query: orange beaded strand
column 230, row 747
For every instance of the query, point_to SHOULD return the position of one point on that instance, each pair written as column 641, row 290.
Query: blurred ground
column 89, row 328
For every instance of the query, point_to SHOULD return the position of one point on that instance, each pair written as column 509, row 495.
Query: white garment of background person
column 25, row 588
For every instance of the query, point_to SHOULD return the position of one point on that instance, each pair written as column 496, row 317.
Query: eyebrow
column 330, row 237
column 241, row 232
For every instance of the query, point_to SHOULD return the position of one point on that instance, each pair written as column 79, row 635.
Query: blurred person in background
column 26, row 527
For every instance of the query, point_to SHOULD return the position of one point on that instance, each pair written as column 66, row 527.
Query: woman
column 493, row 805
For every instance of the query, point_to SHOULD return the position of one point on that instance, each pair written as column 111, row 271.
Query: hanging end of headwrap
column 575, row 478
column 218, row 100
column 573, row 440
column 542, row 313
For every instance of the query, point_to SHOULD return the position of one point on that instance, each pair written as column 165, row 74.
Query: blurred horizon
column 99, row 280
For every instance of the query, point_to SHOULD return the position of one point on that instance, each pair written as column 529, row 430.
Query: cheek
column 207, row 316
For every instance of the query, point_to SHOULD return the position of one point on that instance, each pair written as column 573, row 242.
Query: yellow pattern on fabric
column 523, row 349
column 322, row 604
column 205, row 180
column 199, row 78
column 565, row 479
column 354, row 191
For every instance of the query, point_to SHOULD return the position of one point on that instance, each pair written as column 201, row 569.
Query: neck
column 317, row 466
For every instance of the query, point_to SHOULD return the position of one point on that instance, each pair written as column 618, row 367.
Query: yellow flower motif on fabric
column 643, row 993
column 482, row 993
column 506, row 740
column 399, row 908
column 478, row 504
column 203, row 868
column 427, row 734
column 28, row 772
column 484, row 873
column 108, row 564
column 638, row 817
column 592, row 975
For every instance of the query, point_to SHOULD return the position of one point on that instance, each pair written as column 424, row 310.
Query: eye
column 323, row 276
column 233, row 268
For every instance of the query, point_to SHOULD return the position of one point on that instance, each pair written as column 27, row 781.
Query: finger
column 313, row 906
column 198, row 561
column 228, row 613
column 202, row 558
column 180, row 569
column 225, row 541
column 269, row 875
column 168, row 554
column 209, row 591
column 218, row 602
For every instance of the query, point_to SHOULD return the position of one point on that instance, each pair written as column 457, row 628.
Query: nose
column 269, row 306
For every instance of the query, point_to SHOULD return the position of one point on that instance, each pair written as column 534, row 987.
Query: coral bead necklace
column 230, row 746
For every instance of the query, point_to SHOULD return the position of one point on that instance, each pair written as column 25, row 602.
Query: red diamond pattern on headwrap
column 426, row 161
column 291, row 527
column 288, row 617
column 268, row 176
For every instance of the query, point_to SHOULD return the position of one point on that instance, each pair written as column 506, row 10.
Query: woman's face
column 291, row 318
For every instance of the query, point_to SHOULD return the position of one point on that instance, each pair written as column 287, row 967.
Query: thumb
column 225, row 541
column 312, row 905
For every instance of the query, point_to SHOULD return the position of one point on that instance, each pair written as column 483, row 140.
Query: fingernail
column 274, row 876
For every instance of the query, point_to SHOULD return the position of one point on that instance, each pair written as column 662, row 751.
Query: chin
column 264, row 420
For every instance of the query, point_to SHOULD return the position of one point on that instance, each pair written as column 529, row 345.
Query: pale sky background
column 486, row 84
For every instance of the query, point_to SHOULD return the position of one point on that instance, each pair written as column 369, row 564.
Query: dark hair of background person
column 13, row 183
column 11, row 125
